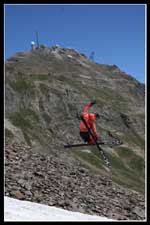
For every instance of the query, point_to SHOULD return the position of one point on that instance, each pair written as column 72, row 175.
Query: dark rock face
column 44, row 89
column 57, row 181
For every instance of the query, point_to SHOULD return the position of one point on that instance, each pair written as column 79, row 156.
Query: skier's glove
column 97, row 115
column 92, row 103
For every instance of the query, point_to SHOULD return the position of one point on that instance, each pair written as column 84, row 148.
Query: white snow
column 70, row 56
column 20, row 210
column 86, row 150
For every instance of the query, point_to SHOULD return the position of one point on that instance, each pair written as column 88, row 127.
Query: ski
column 96, row 143
column 110, row 144
column 83, row 144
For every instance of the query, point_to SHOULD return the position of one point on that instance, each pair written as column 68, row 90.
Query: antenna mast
column 37, row 39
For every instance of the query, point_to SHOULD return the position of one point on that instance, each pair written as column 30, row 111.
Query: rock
column 28, row 186
column 21, row 182
column 18, row 195
column 117, row 216
column 37, row 173
column 28, row 193
column 82, row 170
column 139, row 212
column 6, row 194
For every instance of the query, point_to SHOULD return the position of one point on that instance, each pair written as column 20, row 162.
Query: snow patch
column 86, row 150
column 18, row 210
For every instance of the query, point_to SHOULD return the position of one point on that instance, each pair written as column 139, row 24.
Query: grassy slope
column 127, row 169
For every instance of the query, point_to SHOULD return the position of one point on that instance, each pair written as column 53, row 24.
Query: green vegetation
column 22, row 86
column 138, row 139
column 8, row 135
column 27, row 120
column 133, row 138
column 138, row 165
column 39, row 77
column 27, row 136
column 128, row 180
column 127, row 169
column 25, row 84
column 24, row 118
column 93, row 158
column 19, row 120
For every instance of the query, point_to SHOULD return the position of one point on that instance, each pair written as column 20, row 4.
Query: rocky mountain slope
column 44, row 89
column 63, row 182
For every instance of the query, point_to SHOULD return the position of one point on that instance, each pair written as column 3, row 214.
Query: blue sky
column 116, row 33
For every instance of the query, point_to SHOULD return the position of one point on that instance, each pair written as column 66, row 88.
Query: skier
column 90, row 119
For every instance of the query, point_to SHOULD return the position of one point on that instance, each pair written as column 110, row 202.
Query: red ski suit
column 90, row 119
